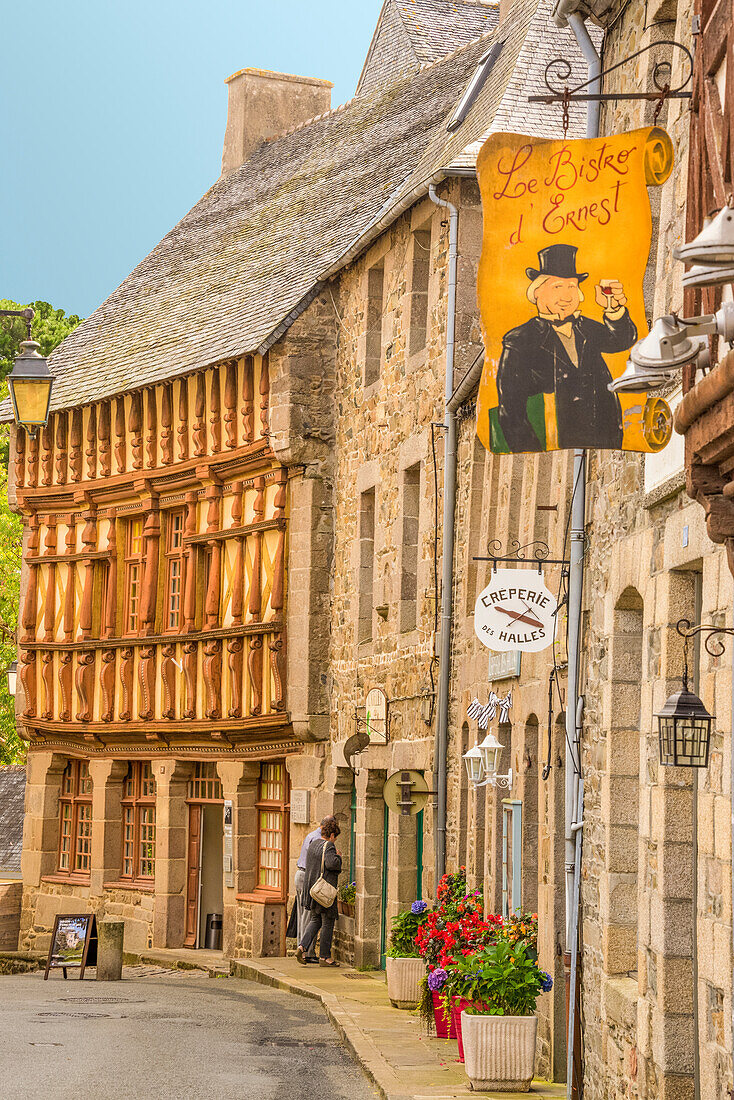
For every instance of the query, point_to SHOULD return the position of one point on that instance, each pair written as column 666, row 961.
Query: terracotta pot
column 346, row 908
column 458, row 1004
column 499, row 1051
column 444, row 1024
column 403, row 981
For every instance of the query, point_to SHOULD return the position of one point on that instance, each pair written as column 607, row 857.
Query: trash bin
column 213, row 936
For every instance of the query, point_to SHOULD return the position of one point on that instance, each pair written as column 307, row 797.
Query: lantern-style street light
column 481, row 764
column 30, row 381
column 684, row 724
column 12, row 674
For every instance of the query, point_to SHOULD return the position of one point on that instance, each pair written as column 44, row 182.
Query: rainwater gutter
column 447, row 564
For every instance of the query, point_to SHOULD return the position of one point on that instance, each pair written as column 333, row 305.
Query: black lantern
column 30, row 383
column 684, row 727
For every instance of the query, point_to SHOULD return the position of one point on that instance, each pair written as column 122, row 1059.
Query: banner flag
column 567, row 233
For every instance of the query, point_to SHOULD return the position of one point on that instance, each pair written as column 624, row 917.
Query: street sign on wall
column 505, row 666
column 516, row 611
column 567, row 232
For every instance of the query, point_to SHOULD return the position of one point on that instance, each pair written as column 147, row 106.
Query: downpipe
column 447, row 571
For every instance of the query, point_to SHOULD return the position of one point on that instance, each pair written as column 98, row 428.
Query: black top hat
column 558, row 260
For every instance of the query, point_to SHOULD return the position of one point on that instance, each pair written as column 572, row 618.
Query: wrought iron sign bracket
column 713, row 645
column 559, row 69
column 539, row 557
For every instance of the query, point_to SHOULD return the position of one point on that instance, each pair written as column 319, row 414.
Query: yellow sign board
column 567, row 233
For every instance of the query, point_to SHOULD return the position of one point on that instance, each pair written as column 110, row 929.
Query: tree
column 50, row 326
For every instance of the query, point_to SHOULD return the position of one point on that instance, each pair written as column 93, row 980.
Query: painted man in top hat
column 561, row 352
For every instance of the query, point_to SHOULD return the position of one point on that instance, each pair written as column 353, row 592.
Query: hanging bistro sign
column 515, row 611
column 567, row 233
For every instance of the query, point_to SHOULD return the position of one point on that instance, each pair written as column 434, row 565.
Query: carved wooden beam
column 146, row 679
column 135, row 426
column 166, row 424
column 151, row 537
column 107, row 679
column 277, row 593
column 190, row 654
column 47, row 678
column 84, row 680
column 120, row 443
column 75, row 446
column 230, row 404
column 264, row 397
column 65, row 673
column 168, row 675
column 30, row 603
column 277, row 667
column 28, row 680
column 214, row 580
column 47, row 454
column 70, row 596
column 200, row 417
column 126, row 683
column 49, row 619
column 32, row 464
column 92, row 443
column 255, row 669
column 183, row 419
column 215, row 408
column 248, row 400
column 212, row 670
column 238, row 584
column 189, row 605
column 151, row 424
column 110, row 608
column 89, row 542
column 255, row 597
column 235, row 648
column 105, row 451
column 20, row 457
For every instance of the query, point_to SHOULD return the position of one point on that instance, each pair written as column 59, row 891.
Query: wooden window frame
column 133, row 562
column 265, row 805
column 75, row 807
column 135, row 805
column 175, row 561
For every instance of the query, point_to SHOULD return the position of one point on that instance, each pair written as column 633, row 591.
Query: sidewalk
column 395, row 1052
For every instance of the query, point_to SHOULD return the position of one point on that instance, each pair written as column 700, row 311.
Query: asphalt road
column 168, row 1035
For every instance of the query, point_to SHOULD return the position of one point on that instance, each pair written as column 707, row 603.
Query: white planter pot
column 403, row 981
column 499, row 1051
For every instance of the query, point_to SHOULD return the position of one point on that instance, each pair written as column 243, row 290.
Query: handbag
column 322, row 892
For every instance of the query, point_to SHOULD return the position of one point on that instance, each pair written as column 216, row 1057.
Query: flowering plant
column 437, row 980
column 503, row 980
column 348, row 894
column 521, row 927
column 442, row 941
column 405, row 927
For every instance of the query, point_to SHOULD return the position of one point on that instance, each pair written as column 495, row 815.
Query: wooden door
column 193, row 874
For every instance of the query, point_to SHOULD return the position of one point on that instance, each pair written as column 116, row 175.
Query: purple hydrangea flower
column 437, row 979
column 419, row 907
column 547, row 983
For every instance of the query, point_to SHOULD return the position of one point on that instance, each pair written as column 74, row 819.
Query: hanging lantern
column 12, row 675
column 30, row 383
column 684, row 728
column 474, row 765
column 490, row 750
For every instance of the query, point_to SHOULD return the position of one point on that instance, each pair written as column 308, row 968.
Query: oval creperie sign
column 515, row 611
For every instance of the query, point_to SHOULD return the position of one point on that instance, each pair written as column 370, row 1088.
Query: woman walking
column 322, row 859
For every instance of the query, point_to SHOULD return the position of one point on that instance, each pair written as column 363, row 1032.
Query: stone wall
column 11, row 895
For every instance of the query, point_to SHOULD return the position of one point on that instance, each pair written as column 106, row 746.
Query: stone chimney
column 263, row 105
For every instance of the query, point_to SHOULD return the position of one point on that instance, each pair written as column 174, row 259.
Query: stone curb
column 361, row 1046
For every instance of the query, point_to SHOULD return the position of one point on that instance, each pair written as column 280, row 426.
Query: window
column 366, row 564
column 511, row 857
column 409, row 555
column 206, row 786
column 174, row 569
column 138, row 822
column 419, row 290
column 75, row 816
column 375, row 305
column 133, row 573
column 271, row 827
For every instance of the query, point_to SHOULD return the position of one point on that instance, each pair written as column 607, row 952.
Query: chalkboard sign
column 73, row 943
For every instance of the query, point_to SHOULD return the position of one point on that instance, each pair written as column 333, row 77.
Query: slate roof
column 412, row 33
column 229, row 278
column 12, row 800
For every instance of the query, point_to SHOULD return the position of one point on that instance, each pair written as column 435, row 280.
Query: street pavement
column 168, row 1035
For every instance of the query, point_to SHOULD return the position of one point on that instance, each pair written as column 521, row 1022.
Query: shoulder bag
column 322, row 892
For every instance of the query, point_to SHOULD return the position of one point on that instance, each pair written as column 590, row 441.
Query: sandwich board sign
column 516, row 611
column 73, row 943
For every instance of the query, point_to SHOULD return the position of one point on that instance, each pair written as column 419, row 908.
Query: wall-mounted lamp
column 30, row 382
column 12, row 674
column 481, row 764
column 712, row 252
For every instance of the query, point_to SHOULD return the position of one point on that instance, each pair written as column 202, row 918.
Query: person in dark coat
column 322, row 919
column 561, row 352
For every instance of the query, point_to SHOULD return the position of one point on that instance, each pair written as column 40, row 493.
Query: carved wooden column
column 168, row 676
column 49, row 618
column 127, row 655
column 166, row 424
column 75, row 446
column 105, row 451
column 61, row 456
column 264, row 397
column 213, row 678
column 70, row 595
column 107, row 679
column 151, row 426
column 92, row 443
column 200, row 416
column 89, row 544
column 84, row 685
column 214, row 583
column 183, row 419
column 47, row 678
column 151, row 540
column 135, row 427
column 47, row 453
column 255, row 601
column 28, row 618
column 248, row 400
column 230, row 404
column 28, row 681
column 277, row 667
column 189, row 607
column 215, row 407
column 109, row 619
column 19, row 457
column 277, row 594
column 255, row 669
column 190, row 653
column 32, row 466
column 65, row 672
column 120, row 443
column 146, row 679
column 235, row 646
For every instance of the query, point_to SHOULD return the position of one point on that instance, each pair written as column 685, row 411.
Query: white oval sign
column 515, row 611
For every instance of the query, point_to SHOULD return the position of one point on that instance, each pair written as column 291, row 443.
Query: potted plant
column 346, row 897
column 499, row 1028
column 404, row 966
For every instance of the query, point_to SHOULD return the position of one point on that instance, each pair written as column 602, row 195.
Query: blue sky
column 112, row 117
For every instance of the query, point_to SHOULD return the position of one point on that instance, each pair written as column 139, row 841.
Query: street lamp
column 481, row 764
column 684, row 724
column 474, row 765
column 12, row 675
column 30, row 381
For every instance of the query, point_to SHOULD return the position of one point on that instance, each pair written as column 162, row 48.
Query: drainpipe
column 574, row 707
column 447, row 571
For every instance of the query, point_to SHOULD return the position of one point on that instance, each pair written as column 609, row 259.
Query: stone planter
column 403, row 981
column 499, row 1051
column 346, row 908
